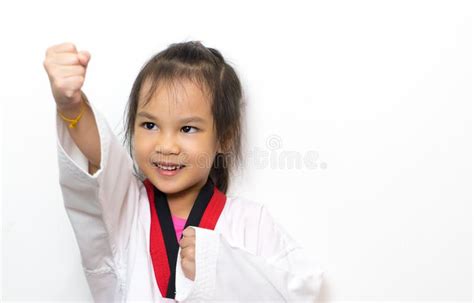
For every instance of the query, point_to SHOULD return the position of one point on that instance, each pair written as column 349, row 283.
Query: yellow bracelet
column 74, row 121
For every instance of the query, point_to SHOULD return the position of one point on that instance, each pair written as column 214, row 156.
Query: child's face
column 181, row 133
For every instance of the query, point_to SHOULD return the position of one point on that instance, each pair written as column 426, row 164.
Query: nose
column 167, row 144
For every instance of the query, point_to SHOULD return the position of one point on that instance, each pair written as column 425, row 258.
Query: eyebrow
column 183, row 120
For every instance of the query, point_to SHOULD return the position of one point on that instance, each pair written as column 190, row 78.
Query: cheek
column 141, row 149
column 200, row 153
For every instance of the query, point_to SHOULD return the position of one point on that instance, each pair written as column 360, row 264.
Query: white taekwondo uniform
column 247, row 257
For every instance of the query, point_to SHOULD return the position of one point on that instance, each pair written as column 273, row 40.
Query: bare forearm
column 85, row 134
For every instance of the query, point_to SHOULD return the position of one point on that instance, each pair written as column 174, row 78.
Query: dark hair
column 207, row 68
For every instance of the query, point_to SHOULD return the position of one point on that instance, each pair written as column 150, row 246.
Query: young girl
column 156, row 225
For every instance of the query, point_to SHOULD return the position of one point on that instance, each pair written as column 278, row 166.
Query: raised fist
column 66, row 68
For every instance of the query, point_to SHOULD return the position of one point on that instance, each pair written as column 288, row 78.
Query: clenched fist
column 188, row 252
column 66, row 68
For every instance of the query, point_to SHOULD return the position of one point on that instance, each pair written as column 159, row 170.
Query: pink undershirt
column 178, row 226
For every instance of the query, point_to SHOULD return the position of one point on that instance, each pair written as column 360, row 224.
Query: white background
column 379, row 90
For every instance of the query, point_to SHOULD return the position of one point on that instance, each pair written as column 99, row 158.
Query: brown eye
column 188, row 129
column 148, row 124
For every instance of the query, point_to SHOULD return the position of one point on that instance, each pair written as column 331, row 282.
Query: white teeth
column 167, row 167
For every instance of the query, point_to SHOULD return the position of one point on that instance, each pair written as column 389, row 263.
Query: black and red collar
column 163, row 243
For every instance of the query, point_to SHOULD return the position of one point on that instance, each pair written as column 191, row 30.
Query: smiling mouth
column 167, row 166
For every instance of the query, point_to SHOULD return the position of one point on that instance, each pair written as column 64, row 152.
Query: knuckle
column 62, row 85
column 59, row 83
column 69, row 46
column 63, row 58
column 69, row 93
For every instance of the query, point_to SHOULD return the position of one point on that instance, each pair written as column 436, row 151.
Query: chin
column 172, row 185
column 168, row 186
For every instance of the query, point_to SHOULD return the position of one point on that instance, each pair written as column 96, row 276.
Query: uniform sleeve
column 100, row 207
column 277, row 270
